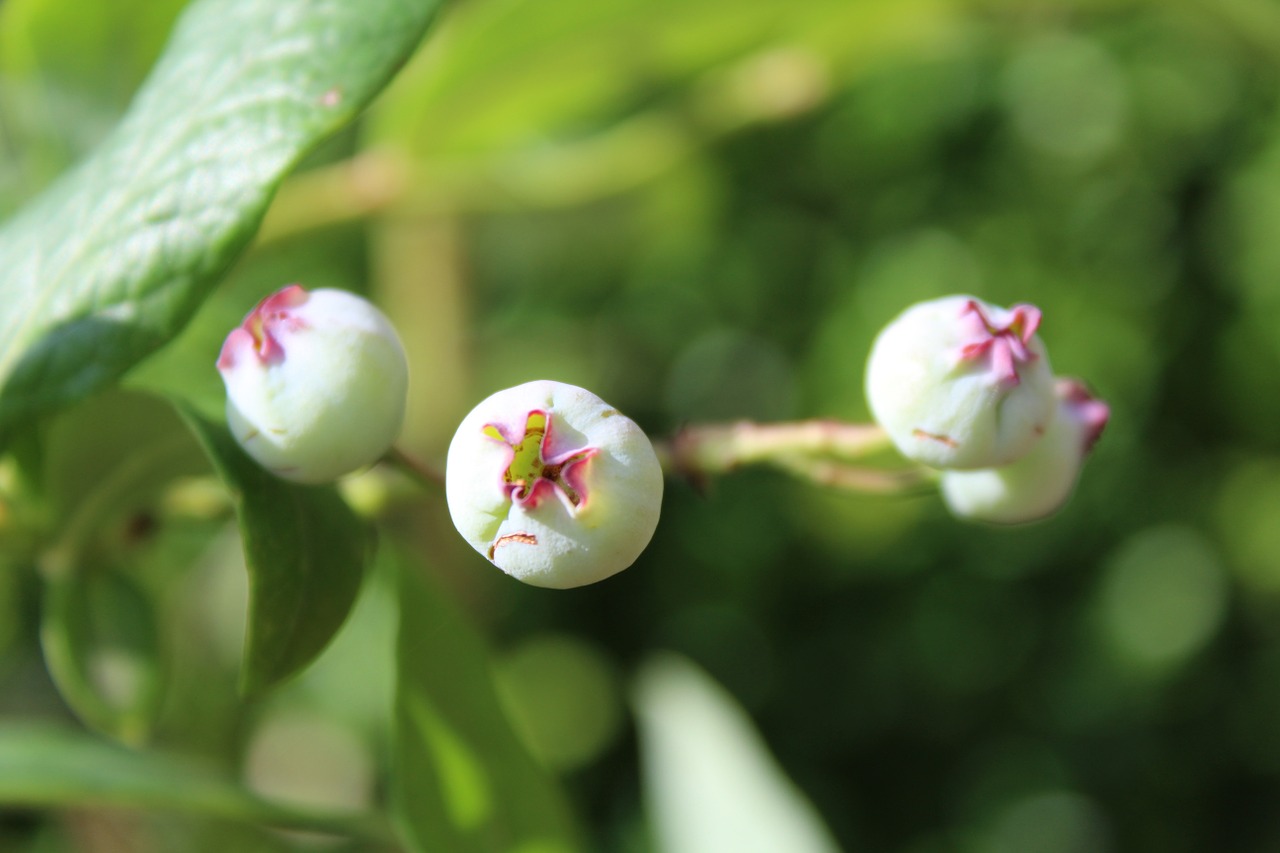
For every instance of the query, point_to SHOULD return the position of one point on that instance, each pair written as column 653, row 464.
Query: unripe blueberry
column 554, row 486
column 1040, row 482
column 316, row 383
column 958, row 383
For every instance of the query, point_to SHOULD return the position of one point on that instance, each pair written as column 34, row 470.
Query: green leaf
column 464, row 782
column 110, row 457
column 710, row 783
column 103, row 466
column 525, row 75
column 101, row 643
column 306, row 553
column 46, row 767
column 111, row 261
column 67, row 72
column 96, row 54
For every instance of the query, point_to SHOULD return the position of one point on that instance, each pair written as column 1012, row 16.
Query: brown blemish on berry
column 944, row 440
column 521, row 538
column 608, row 413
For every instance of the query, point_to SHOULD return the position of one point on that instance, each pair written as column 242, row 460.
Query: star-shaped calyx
column 535, row 471
column 1005, row 345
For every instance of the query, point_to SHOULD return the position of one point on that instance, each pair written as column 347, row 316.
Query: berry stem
column 856, row 478
column 414, row 467
column 821, row 451
column 824, row 452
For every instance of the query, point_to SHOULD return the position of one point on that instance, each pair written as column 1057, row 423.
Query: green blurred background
column 704, row 210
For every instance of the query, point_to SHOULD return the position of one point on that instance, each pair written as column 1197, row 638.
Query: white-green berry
column 316, row 383
column 552, row 485
column 1040, row 482
column 958, row 383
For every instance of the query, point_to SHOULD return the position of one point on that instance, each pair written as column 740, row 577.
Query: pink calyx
column 1005, row 345
column 1085, row 408
column 534, row 472
column 258, row 332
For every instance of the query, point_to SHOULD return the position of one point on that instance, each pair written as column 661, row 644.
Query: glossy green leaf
column 306, row 553
column 112, row 260
column 47, row 767
column 464, row 782
column 710, row 783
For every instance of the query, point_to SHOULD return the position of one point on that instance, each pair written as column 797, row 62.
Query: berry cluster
column 966, row 387
column 559, row 489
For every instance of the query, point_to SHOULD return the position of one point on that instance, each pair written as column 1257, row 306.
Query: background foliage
column 703, row 210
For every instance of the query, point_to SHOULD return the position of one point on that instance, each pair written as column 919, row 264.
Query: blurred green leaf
column 100, row 51
column 67, row 72
column 103, row 465
column 47, row 767
column 101, row 644
column 111, row 262
column 464, row 782
column 712, row 786
column 306, row 553
column 108, row 457
column 520, row 75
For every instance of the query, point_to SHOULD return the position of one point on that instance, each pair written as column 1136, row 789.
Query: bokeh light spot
column 1066, row 96
column 1163, row 597
column 1049, row 822
column 564, row 698
column 1248, row 512
column 302, row 758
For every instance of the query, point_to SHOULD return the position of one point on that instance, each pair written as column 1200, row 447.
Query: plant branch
column 824, row 452
column 821, row 451
column 855, row 478
column 703, row 449
column 419, row 471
